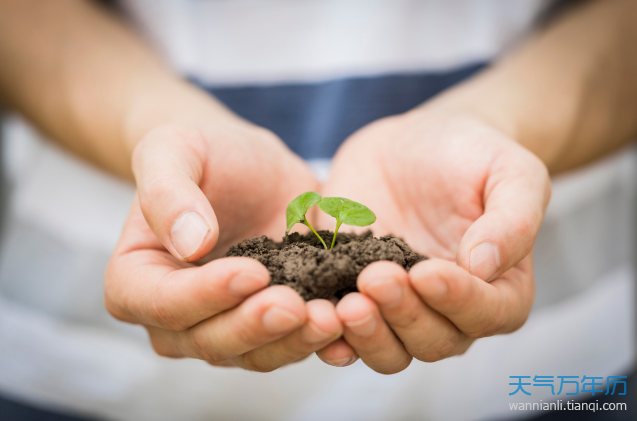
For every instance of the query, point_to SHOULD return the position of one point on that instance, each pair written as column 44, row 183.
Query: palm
column 245, row 175
column 233, row 182
column 253, row 203
column 417, row 190
column 456, row 190
column 425, row 180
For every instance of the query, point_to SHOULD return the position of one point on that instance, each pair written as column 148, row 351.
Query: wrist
column 498, row 100
column 176, row 103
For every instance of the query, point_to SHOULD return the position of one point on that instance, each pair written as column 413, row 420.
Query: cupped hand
column 201, row 188
column 461, row 192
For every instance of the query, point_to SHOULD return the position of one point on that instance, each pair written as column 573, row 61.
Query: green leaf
column 298, row 208
column 347, row 211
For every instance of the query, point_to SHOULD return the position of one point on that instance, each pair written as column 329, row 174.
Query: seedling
column 346, row 212
column 298, row 208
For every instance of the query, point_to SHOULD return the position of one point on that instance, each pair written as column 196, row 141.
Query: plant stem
column 316, row 233
column 338, row 225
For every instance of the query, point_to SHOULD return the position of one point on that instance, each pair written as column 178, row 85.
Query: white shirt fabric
column 59, row 347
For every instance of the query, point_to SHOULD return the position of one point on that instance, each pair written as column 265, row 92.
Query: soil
column 302, row 263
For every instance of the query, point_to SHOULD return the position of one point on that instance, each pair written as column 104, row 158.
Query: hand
column 460, row 192
column 204, row 187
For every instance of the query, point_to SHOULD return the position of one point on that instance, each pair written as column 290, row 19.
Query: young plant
column 346, row 212
column 298, row 208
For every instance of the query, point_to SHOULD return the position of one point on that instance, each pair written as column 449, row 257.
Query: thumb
column 516, row 194
column 168, row 164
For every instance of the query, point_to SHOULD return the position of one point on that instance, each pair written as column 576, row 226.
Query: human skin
column 205, row 177
column 193, row 155
column 463, row 194
column 456, row 179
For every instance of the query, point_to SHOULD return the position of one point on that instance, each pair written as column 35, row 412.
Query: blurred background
column 62, row 354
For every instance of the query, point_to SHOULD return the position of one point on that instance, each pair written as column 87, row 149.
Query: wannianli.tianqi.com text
column 568, row 406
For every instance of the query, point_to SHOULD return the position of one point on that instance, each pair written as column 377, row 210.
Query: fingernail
column 364, row 327
column 344, row 362
column 245, row 283
column 313, row 334
column 188, row 232
column 278, row 320
column 385, row 291
column 484, row 261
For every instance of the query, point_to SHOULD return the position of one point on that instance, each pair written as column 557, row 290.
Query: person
column 462, row 177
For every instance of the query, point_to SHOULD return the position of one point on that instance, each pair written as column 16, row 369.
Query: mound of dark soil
column 302, row 263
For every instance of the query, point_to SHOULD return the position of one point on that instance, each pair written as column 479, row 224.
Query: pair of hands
column 455, row 188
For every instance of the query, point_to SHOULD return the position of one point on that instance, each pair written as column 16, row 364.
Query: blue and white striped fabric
column 313, row 119
column 313, row 71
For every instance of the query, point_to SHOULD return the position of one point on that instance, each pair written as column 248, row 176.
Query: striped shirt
column 313, row 72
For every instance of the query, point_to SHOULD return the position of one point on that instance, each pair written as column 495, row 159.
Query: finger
column 426, row 334
column 163, row 343
column 168, row 167
column 321, row 327
column 516, row 194
column 475, row 307
column 367, row 332
column 147, row 287
column 259, row 320
column 338, row 354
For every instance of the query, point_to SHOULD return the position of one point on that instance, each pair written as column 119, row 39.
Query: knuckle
column 246, row 336
column 166, row 138
column 198, row 344
column 405, row 321
column 441, row 350
column 491, row 327
column 253, row 363
column 463, row 347
column 225, row 363
column 156, row 188
column 112, row 297
column 115, row 310
column 388, row 371
column 152, row 140
column 460, row 295
column 163, row 348
column 518, row 324
column 161, row 314
column 247, row 330
column 431, row 357
column 394, row 368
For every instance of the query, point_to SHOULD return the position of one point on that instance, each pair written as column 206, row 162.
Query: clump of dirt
column 302, row 263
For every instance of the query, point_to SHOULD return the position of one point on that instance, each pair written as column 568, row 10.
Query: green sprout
column 298, row 208
column 346, row 212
